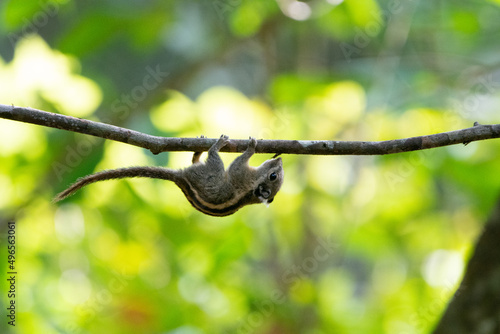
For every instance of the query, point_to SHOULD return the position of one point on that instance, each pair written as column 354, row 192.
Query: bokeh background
column 350, row 244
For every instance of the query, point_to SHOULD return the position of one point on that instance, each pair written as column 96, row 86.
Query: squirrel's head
column 271, row 180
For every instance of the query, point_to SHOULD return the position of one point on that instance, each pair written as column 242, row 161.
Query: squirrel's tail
column 120, row 173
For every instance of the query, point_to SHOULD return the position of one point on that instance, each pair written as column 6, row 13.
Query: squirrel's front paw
column 252, row 143
column 222, row 141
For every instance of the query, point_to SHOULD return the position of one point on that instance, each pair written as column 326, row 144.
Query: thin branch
column 317, row 147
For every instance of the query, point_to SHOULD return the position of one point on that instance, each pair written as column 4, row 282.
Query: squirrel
column 208, row 186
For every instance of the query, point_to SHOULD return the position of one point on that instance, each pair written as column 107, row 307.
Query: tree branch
column 475, row 305
column 317, row 147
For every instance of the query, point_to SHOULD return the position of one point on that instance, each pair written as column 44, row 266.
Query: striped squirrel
column 207, row 186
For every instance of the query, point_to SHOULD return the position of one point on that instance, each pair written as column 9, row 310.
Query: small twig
column 317, row 147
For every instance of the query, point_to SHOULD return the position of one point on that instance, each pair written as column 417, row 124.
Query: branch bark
column 475, row 305
column 316, row 147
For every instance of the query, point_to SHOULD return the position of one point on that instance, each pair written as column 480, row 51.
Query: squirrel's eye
column 273, row 176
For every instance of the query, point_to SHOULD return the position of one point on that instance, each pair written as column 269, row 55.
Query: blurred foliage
column 350, row 245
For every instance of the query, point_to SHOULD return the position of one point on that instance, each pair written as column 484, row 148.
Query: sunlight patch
column 38, row 70
column 443, row 268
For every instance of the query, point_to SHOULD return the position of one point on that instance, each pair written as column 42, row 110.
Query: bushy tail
column 120, row 173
